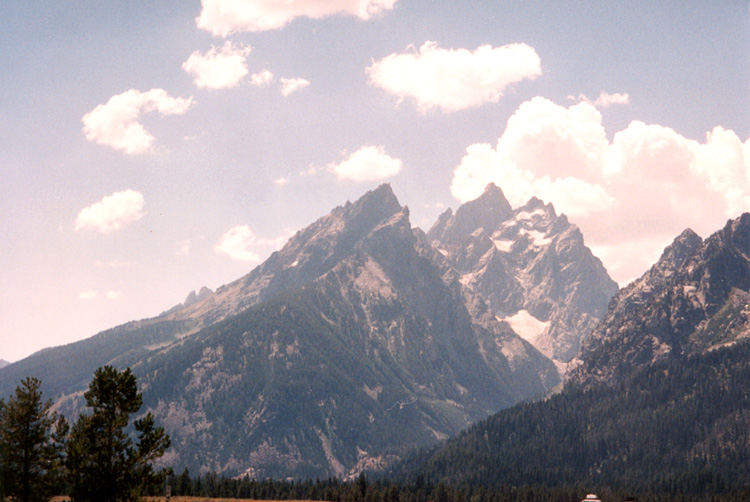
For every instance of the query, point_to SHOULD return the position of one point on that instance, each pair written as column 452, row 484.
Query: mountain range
column 364, row 338
column 657, row 401
column 360, row 339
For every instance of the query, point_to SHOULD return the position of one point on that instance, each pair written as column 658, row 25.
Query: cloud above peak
column 111, row 213
column 369, row 163
column 116, row 123
column 224, row 17
column 240, row 243
column 219, row 68
column 637, row 191
column 454, row 79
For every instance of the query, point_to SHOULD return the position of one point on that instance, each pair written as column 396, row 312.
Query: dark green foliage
column 681, row 426
column 30, row 445
column 104, row 464
column 384, row 490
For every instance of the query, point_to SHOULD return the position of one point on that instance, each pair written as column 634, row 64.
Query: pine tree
column 31, row 445
column 104, row 464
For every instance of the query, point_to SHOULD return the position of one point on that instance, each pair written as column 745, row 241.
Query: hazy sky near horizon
column 152, row 148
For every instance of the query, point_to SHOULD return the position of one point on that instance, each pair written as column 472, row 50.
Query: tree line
column 384, row 489
column 96, row 459
column 555, row 451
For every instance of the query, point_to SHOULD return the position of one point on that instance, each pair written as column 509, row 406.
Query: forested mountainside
column 660, row 401
column 677, row 426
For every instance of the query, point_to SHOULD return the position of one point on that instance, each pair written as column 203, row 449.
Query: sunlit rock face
column 694, row 299
column 345, row 349
column 531, row 266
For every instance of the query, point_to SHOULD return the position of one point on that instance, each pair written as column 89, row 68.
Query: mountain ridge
column 659, row 402
column 531, row 265
column 351, row 326
column 661, row 314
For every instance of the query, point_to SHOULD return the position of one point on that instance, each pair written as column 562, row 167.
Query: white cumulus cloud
column 237, row 244
column 88, row 295
column 113, row 295
column 262, row 78
column 636, row 192
column 223, row 17
column 116, row 123
column 369, row 163
column 219, row 68
column 290, row 85
column 454, row 79
column 605, row 99
column 112, row 212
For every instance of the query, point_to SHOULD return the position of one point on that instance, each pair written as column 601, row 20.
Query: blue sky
column 148, row 148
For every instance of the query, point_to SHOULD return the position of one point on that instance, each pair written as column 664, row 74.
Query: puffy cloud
column 634, row 193
column 88, row 295
column 290, row 85
column 237, row 244
column 115, row 123
column 219, row 68
column 223, row 17
column 455, row 79
column 605, row 99
column 282, row 181
column 369, row 163
column 112, row 212
column 262, row 78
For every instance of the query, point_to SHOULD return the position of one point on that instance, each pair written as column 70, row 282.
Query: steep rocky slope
column 531, row 266
column 659, row 403
column 695, row 298
column 345, row 348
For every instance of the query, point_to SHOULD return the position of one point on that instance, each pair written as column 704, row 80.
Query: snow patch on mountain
column 503, row 245
column 527, row 326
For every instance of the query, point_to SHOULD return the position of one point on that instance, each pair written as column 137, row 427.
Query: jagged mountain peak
column 681, row 248
column 530, row 265
column 737, row 232
column 356, row 324
column 485, row 212
column 380, row 199
column 684, row 304
column 536, row 203
column 308, row 254
column 193, row 297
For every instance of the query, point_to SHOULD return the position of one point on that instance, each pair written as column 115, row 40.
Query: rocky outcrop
column 530, row 265
column 695, row 298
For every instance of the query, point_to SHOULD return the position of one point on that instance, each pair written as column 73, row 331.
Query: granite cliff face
column 694, row 299
column 530, row 265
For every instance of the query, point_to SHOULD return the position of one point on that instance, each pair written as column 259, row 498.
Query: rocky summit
column 696, row 298
column 530, row 265
column 354, row 343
